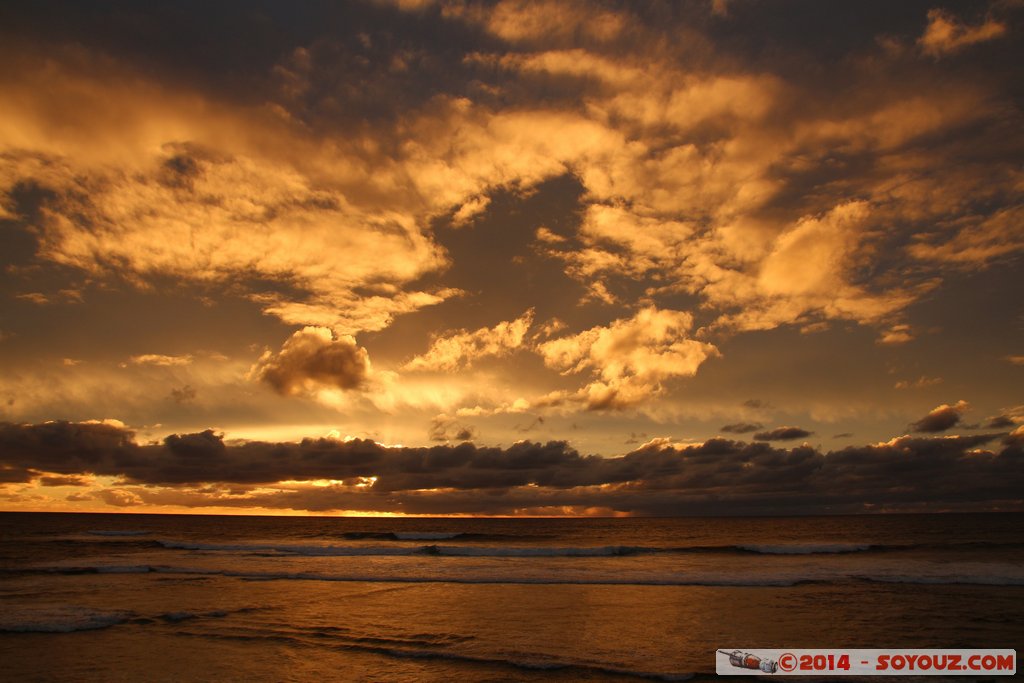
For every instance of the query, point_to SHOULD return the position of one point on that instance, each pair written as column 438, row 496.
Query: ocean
column 121, row 597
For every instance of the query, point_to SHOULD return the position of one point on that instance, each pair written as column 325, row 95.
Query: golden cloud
column 160, row 359
column 314, row 358
column 946, row 34
column 459, row 350
column 173, row 184
column 770, row 200
column 631, row 357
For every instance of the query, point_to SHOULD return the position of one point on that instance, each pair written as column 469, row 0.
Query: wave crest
column 59, row 619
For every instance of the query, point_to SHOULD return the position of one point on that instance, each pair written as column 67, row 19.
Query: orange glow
column 586, row 259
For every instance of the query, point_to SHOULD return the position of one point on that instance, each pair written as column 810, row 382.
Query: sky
column 512, row 257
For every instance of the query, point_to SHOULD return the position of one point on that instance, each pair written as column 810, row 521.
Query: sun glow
column 543, row 267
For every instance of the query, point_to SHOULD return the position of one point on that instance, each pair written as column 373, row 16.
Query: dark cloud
column 691, row 162
column 741, row 427
column 635, row 437
column 180, row 170
column 782, row 434
column 202, row 446
column 183, row 395
column 941, row 418
column 1000, row 422
column 305, row 56
column 537, row 423
column 311, row 358
column 71, row 480
column 16, row 475
column 120, row 497
column 718, row 476
column 65, row 447
column 444, row 429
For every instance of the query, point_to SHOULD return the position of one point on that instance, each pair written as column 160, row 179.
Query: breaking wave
column 72, row 618
column 526, row 662
column 506, row 551
column 1003, row 575
column 406, row 535
column 59, row 619
column 431, row 646
column 494, row 546
column 813, row 549
column 438, row 536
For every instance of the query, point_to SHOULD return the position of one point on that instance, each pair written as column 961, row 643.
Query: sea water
column 112, row 597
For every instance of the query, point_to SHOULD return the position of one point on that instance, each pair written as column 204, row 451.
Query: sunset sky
column 460, row 258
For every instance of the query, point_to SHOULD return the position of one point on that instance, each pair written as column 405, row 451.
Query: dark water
column 195, row 598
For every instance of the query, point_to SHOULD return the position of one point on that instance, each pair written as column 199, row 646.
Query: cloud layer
column 719, row 476
column 439, row 220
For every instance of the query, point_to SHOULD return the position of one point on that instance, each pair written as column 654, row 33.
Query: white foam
column 524, row 661
column 537, row 551
column 175, row 617
column 424, row 536
column 1000, row 575
column 126, row 569
column 446, row 550
column 58, row 619
column 948, row 579
column 501, row 551
column 823, row 548
column 995, row 576
column 647, row 579
column 311, row 550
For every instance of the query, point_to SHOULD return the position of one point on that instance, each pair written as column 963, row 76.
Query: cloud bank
column 719, row 476
column 941, row 418
column 397, row 217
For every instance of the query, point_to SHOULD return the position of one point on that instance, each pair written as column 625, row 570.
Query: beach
column 195, row 598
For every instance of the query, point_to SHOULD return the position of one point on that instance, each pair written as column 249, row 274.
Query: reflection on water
column 172, row 613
